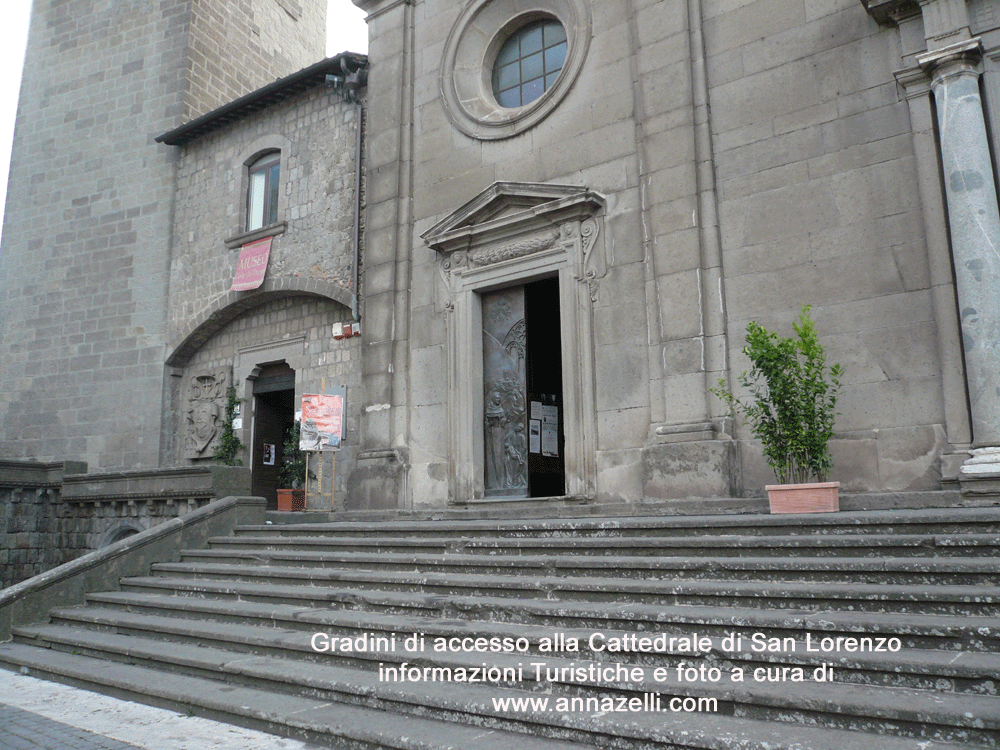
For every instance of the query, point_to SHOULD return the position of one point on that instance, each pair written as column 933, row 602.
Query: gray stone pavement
column 35, row 715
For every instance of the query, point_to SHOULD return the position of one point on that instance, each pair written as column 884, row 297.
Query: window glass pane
column 510, row 98
column 532, row 90
column 508, row 76
column 509, row 52
column 550, row 79
column 531, row 67
column 555, row 57
column 554, row 33
column 531, row 40
column 255, row 206
column 272, row 207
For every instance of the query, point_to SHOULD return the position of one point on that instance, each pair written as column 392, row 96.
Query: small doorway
column 522, row 389
column 274, row 414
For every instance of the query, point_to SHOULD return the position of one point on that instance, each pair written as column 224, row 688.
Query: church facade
column 586, row 258
column 524, row 236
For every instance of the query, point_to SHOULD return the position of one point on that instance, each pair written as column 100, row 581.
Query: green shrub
column 229, row 448
column 792, row 400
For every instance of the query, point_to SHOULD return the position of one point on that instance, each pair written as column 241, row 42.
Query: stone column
column 975, row 239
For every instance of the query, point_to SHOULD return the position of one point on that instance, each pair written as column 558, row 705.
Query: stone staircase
column 229, row 632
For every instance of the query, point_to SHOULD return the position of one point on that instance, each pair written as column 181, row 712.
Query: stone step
column 914, row 713
column 973, row 633
column 939, row 599
column 297, row 716
column 243, row 615
column 357, row 727
column 923, row 571
column 266, row 630
column 789, row 545
column 571, row 507
column 924, row 522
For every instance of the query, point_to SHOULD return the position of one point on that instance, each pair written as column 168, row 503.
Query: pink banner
column 252, row 266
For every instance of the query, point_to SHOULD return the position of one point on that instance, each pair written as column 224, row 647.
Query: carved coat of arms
column 206, row 408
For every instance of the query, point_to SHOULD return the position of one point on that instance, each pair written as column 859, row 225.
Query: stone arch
column 119, row 530
column 231, row 305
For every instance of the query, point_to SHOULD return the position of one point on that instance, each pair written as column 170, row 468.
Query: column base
column 980, row 474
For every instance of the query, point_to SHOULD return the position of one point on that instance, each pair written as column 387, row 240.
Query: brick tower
column 87, row 239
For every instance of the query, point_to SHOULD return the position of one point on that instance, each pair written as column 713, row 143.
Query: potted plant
column 292, row 475
column 791, row 409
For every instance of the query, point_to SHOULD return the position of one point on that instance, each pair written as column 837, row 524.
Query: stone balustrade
column 51, row 513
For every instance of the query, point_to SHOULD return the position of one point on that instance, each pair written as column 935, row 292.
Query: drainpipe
column 360, row 112
column 349, row 84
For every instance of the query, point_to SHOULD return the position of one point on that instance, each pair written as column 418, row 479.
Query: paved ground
column 36, row 715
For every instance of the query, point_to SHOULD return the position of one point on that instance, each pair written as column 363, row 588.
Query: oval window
column 529, row 63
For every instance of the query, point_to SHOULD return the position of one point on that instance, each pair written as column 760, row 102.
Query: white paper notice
column 550, row 430
column 534, row 436
column 550, row 440
column 550, row 415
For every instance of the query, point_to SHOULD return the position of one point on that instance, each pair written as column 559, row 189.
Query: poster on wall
column 323, row 420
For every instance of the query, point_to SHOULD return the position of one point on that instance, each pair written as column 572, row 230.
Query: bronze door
column 522, row 392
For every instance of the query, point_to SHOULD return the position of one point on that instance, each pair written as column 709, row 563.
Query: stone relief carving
column 206, row 408
column 594, row 263
column 514, row 249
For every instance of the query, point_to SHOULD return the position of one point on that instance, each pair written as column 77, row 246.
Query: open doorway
column 274, row 414
column 522, row 389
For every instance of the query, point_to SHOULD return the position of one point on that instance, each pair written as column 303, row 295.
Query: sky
column 346, row 31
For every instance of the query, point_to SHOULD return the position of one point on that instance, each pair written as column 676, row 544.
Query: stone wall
column 87, row 233
column 51, row 513
column 298, row 331
column 238, row 46
column 816, row 174
column 309, row 284
column 316, row 135
column 751, row 157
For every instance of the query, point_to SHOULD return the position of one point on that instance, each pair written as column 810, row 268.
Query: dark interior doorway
column 522, row 392
column 543, row 344
column 274, row 414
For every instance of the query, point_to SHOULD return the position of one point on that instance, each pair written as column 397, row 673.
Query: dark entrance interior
column 546, row 473
column 274, row 413
column 522, row 392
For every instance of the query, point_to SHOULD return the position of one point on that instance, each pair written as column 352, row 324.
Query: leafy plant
column 793, row 399
column 230, row 446
column 292, row 474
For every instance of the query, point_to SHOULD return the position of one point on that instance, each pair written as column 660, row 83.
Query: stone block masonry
column 310, row 280
column 52, row 513
column 87, row 235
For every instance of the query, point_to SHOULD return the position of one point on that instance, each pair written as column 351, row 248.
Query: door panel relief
column 505, row 467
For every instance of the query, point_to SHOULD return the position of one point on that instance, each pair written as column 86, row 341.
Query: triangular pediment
column 510, row 208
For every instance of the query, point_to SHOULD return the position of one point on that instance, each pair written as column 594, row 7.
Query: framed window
column 507, row 64
column 262, row 191
column 529, row 63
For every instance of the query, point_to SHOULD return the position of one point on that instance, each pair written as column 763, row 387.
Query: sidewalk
column 35, row 714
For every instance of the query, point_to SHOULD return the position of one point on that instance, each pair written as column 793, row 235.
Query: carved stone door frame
column 512, row 234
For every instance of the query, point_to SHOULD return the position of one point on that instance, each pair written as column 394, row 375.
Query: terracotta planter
column 818, row 497
column 291, row 500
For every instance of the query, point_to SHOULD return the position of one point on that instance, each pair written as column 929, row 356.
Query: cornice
column 890, row 12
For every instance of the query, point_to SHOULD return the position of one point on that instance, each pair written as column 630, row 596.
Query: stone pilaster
column 975, row 239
